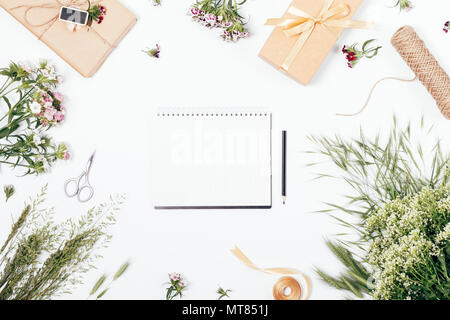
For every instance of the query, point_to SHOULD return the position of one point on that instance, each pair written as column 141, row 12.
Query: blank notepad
column 212, row 160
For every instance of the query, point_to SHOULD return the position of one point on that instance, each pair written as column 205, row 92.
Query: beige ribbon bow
column 303, row 25
column 276, row 271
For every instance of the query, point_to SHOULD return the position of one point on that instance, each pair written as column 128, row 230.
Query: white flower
column 35, row 107
column 175, row 276
column 37, row 140
column 48, row 104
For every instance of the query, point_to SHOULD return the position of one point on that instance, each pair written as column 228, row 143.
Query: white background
column 110, row 113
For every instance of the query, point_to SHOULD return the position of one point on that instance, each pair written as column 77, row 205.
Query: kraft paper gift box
column 85, row 49
column 306, row 61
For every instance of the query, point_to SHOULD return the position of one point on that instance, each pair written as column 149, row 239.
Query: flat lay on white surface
column 110, row 113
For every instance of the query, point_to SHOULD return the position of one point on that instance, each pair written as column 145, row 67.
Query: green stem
column 15, row 164
column 17, row 104
column 5, row 85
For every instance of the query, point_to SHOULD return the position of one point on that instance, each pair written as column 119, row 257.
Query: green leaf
column 102, row 293
column 121, row 270
column 98, row 284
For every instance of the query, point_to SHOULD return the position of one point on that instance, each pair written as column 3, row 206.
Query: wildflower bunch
column 353, row 55
column 404, row 5
column 446, row 27
column 176, row 286
column 409, row 253
column 153, row 52
column 41, row 259
column 222, row 14
column 96, row 13
column 400, row 212
column 30, row 105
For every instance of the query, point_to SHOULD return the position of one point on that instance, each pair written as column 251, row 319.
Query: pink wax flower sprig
column 404, row 5
column 153, row 52
column 221, row 14
column 447, row 27
column 33, row 106
column 353, row 55
column 176, row 286
column 96, row 13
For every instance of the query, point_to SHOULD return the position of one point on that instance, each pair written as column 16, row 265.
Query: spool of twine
column 287, row 283
column 426, row 68
column 414, row 51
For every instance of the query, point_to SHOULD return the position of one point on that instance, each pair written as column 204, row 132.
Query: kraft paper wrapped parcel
column 85, row 49
column 306, row 33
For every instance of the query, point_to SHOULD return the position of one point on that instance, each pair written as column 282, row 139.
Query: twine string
column 371, row 93
column 55, row 5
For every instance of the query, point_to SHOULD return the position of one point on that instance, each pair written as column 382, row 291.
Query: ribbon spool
column 283, row 283
column 287, row 283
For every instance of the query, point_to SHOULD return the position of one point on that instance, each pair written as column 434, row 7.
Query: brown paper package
column 85, row 49
column 316, row 49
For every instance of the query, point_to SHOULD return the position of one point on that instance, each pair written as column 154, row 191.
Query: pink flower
column 66, row 155
column 194, row 11
column 226, row 35
column 44, row 123
column 59, row 116
column 243, row 34
column 48, row 104
column 48, row 115
column 175, row 276
column 210, row 19
column 58, row 96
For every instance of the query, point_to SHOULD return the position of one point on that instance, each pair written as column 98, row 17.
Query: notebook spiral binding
column 212, row 114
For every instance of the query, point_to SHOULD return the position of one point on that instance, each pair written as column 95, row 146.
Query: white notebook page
column 212, row 159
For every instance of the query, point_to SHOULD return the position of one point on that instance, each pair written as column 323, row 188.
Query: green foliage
column 223, row 293
column 104, row 289
column 404, row 4
column 9, row 191
column 380, row 172
column 176, row 286
column 26, row 94
column 409, row 252
column 41, row 259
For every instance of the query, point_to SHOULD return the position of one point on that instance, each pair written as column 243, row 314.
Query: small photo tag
column 73, row 15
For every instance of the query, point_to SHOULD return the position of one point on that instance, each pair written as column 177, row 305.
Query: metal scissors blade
column 89, row 163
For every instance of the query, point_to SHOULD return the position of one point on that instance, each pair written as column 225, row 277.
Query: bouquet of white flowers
column 401, row 217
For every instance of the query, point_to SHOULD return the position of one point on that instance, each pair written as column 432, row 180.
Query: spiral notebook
column 212, row 159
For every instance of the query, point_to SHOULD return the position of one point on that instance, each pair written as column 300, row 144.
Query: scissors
column 74, row 187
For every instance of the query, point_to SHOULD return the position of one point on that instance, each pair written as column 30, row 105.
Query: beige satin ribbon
column 303, row 24
column 56, row 4
column 275, row 271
